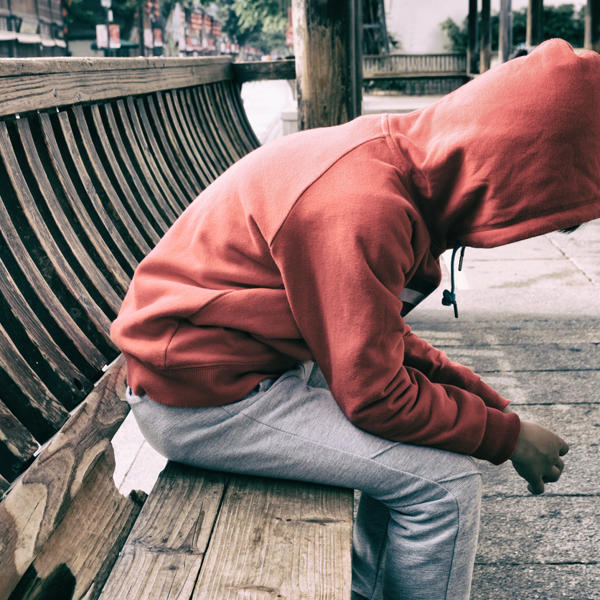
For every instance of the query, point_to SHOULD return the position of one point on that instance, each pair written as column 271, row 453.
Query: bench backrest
column 97, row 159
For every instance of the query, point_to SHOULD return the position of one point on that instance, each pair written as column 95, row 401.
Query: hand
column 537, row 454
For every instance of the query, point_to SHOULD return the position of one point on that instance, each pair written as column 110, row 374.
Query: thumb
column 563, row 448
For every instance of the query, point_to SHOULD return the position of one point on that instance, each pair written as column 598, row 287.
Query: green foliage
column 259, row 23
column 559, row 21
column 457, row 37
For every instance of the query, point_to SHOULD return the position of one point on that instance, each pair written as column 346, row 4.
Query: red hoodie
column 304, row 248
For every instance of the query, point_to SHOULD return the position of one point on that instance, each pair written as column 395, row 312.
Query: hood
column 513, row 154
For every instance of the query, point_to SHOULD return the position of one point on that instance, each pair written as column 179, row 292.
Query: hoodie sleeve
column 438, row 368
column 343, row 266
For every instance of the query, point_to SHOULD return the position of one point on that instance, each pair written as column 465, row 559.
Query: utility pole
column 472, row 38
column 327, row 47
column 505, row 34
column 592, row 25
column 485, row 37
column 535, row 23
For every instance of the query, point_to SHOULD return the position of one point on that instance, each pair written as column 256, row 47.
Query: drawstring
column 449, row 297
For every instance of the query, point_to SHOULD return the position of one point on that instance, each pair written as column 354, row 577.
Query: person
column 265, row 333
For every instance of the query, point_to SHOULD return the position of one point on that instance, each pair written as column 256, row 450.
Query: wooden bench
column 97, row 158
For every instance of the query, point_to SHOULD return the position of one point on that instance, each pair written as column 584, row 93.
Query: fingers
column 553, row 475
column 563, row 448
column 536, row 486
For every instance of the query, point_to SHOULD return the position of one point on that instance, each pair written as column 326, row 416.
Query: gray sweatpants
column 418, row 517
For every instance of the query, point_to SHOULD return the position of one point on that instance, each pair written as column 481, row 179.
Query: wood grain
column 17, row 445
column 36, row 84
column 39, row 499
column 279, row 539
column 163, row 554
column 79, row 554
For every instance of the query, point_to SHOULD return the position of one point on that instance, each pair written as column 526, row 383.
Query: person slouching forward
column 264, row 334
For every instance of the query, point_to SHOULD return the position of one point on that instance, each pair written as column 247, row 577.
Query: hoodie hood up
column 511, row 155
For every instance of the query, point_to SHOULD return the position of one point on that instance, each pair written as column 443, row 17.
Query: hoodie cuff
column 500, row 437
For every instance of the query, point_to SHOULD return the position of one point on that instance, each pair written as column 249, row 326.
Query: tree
column 559, row 21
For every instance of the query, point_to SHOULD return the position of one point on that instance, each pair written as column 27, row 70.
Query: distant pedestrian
column 265, row 333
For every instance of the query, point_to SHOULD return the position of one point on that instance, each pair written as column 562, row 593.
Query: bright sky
column 417, row 22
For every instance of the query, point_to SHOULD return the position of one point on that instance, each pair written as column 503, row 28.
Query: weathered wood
column 38, row 501
column 48, row 250
column 167, row 204
column 25, row 393
column 125, row 208
column 164, row 552
column 108, row 290
column 112, row 226
column 327, row 62
column 485, row 37
column 279, row 538
column 79, row 554
column 472, row 37
column 36, row 84
column 592, row 25
column 17, row 445
column 167, row 150
column 116, row 258
column 272, row 69
column 38, row 347
column 505, row 36
column 534, row 33
column 177, row 196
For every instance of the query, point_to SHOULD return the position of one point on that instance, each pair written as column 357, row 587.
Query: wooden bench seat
column 98, row 157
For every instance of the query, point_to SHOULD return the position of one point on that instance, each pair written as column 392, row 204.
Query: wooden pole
column 472, row 37
column 328, row 61
column 535, row 23
column 505, row 33
column 592, row 25
column 485, row 37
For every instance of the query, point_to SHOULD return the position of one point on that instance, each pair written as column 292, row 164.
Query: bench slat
column 42, row 414
column 64, row 228
column 123, row 171
column 39, row 348
column 182, row 99
column 17, row 445
column 168, row 203
column 279, row 538
column 231, row 152
column 163, row 554
column 48, row 251
column 129, row 214
column 170, row 153
column 203, row 121
column 115, row 228
column 30, row 280
column 78, row 556
column 233, row 101
column 196, row 179
column 181, row 132
column 118, row 260
column 144, row 174
column 228, row 121
column 178, row 197
column 39, row 499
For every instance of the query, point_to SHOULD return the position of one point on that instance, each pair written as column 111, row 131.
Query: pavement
column 530, row 326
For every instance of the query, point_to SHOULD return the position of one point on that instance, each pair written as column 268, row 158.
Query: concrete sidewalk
column 530, row 326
